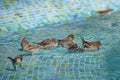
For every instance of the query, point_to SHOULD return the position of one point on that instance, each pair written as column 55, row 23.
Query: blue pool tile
column 29, row 78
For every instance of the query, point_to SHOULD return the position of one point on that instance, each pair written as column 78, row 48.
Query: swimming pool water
column 59, row 64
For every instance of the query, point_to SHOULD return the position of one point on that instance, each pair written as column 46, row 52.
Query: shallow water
column 58, row 64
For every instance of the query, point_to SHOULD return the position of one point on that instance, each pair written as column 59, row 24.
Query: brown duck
column 48, row 43
column 16, row 61
column 28, row 47
column 105, row 12
column 66, row 41
column 73, row 47
column 91, row 45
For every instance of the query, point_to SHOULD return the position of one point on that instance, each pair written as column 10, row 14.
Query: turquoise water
column 58, row 64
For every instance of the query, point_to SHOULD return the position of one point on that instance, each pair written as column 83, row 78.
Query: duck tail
column 82, row 39
column 10, row 58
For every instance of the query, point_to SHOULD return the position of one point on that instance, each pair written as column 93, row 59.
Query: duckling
column 48, row 43
column 28, row 47
column 16, row 61
column 66, row 41
column 73, row 47
column 105, row 12
column 91, row 45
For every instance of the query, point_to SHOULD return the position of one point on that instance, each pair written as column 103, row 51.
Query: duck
column 28, row 47
column 73, row 47
column 16, row 61
column 66, row 41
column 94, row 45
column 104, row 12
column 48, row 43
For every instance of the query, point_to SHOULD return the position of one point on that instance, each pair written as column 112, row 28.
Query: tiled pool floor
column 58, row 64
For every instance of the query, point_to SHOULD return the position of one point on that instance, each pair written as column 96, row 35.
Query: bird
column 16, row 61
column 95, row 45
column 104, row 12
column 73, row 47
column 48, row 43
column 66, row 41
column 28, row 47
